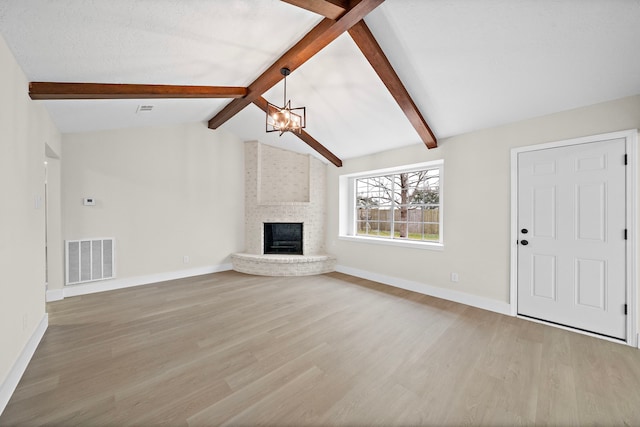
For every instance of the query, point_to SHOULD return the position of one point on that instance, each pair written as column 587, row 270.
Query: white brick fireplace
column 283, row 187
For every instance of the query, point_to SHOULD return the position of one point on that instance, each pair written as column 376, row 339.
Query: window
column 400, row 205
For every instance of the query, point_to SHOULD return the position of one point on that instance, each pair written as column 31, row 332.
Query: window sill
column 431, row 246
column 261, row 203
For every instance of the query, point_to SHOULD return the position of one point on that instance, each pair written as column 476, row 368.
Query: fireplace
column 283, row 238
column 283, row 187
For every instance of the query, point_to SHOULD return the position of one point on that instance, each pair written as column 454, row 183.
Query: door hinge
column 625, row 234
column 626, row 159
column 625, row 309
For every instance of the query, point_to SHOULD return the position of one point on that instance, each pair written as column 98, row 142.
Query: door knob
column 524, row 231
column 524, row 242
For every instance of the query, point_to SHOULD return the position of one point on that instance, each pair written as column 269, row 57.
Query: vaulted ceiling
column 465, row 64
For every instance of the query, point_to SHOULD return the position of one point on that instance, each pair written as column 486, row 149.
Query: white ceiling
column 468, row 64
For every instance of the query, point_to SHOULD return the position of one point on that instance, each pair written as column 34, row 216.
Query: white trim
column 434, row 291
column 631, row 137
column 55, row 295
column 513, row 247
column 415, row 244
column 110, row 285
column 632, row 237
column 17, row 370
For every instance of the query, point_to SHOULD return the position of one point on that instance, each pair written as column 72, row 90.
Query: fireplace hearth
column 282, row 238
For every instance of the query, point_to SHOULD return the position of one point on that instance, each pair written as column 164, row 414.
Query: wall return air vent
column 89, row 260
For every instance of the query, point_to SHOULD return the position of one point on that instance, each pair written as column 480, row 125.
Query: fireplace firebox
column 283, row 238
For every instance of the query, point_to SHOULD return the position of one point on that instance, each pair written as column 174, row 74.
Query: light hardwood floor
column 233, row 349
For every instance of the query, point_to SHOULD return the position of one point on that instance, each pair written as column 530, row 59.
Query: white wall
column 283, row 186
column 162, row 193
column 282, row 175
column 476, row 200
column 25, row 128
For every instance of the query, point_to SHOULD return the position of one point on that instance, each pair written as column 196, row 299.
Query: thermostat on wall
column 89, row 201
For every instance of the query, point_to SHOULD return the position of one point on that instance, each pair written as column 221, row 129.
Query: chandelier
column 285, row 119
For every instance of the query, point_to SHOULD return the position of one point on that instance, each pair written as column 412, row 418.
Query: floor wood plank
column 233, row 349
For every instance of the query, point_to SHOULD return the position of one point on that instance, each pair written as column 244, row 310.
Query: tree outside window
column 400, row 205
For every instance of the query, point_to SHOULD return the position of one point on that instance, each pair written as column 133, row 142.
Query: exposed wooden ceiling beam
column 318, row 38
column 50, row 90
column 332, row 9
column 368, row 45
column 308, row 139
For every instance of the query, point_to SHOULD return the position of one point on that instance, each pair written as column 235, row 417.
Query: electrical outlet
column 185, row 259
column 455, row 277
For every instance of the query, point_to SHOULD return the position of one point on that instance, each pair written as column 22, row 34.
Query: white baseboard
column 54, row 295
column 110, row 285
column 434, row 291
column 13, row 378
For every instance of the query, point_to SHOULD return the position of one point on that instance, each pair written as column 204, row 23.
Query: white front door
column 571, row 236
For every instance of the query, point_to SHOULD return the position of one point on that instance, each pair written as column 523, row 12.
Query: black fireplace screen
column 283, row 238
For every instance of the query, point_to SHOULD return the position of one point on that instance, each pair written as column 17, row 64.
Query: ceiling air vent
column 144, row 108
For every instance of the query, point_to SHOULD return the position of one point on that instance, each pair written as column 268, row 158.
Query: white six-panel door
column 571, row 236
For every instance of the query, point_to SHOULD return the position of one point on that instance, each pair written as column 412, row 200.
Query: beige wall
column 476, row 200
column 55, row 246
column 162, row 193
column 25, row 128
